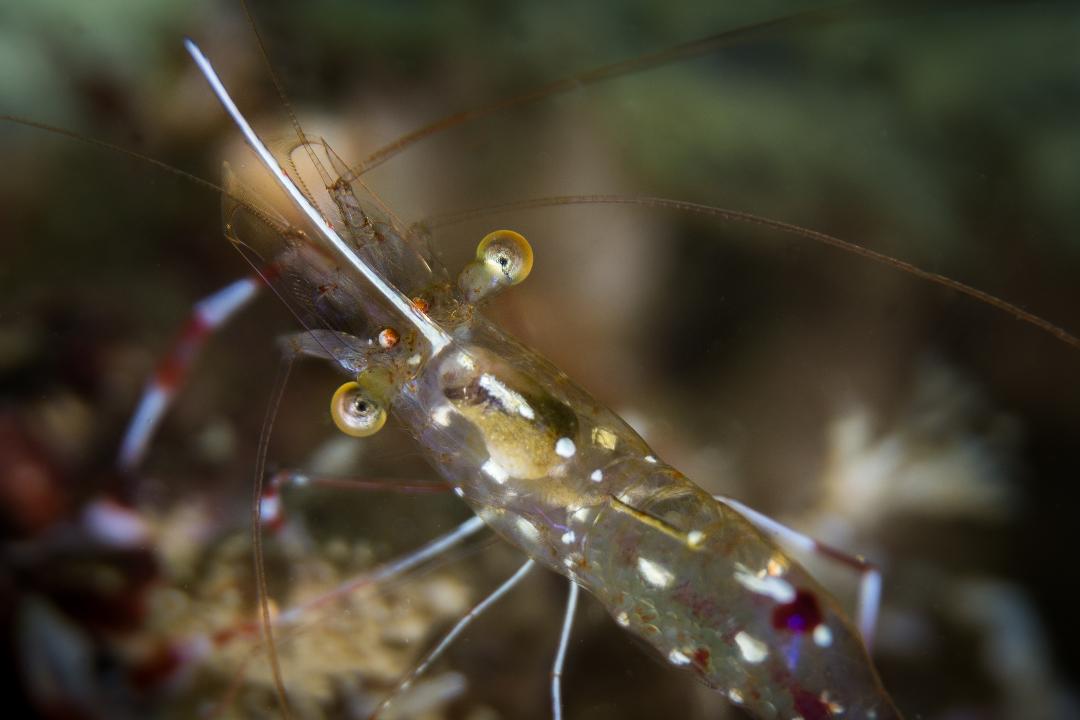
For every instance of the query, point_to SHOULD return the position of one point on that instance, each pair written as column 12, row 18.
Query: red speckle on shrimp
column 700, row 606
column 701, row 658
column 809, row 705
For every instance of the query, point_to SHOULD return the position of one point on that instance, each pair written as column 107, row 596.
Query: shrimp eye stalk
column 357, row 409
column 503, row 258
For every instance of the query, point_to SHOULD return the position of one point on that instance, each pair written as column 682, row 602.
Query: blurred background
column 932, row 434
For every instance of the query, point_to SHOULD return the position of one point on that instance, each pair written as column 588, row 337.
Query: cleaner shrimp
column 687, row 327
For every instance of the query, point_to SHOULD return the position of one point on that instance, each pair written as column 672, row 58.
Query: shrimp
column 537, row 458
column 684, row 327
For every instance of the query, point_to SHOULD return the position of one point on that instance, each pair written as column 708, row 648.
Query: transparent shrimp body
column 572, row 485
column 552, row 470
column 535, row 456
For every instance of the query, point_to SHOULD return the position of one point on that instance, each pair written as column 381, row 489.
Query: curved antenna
column 64, row 132
column 648, row 61
column 164, row 166
column 746, row 218
column 256, row 530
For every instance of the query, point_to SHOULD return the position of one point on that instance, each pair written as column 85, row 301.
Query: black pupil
column 503, row 260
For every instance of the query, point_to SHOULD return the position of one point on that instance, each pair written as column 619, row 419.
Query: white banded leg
column 560, row 654
column 449, row 638
column 869, row 575
column 207, row 316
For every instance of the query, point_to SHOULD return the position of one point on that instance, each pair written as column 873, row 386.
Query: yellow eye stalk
column 357, row 411
column 503, row 258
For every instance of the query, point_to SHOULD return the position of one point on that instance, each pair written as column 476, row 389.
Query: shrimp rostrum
column 536, row 457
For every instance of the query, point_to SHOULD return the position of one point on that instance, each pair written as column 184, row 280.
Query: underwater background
column 933, row 434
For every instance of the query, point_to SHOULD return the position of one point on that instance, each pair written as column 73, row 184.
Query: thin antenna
column 182, row 174
column 279, row 86
column 788, row 228
column 56, row 130
column 256, row 530
column 293, row 120
column 435, row 335
column 603, row 73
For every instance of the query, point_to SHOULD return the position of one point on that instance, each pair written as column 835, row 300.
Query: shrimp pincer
column 537, row 458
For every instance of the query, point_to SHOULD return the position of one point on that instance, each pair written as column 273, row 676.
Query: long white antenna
column 435, row 335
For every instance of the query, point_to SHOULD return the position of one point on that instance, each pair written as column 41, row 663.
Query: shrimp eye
column 356, row 411
column 503, row 258
column 507, row 253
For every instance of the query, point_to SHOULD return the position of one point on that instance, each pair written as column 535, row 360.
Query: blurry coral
column 945, row 461
column 947, row 455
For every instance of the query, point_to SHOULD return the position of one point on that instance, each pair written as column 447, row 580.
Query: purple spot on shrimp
column 801, row 615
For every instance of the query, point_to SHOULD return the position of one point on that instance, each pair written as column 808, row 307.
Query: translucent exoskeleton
column 688, row 340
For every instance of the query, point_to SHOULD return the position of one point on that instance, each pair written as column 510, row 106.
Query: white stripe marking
column 217, row 308
column 142, row 425
column 435, row 335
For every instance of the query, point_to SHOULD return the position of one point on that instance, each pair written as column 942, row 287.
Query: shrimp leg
column 207, row 316
column 391, row 570
column 272, row 507
column 449, row 638
column 300, row 478
column 869, row 574
column 560, row 654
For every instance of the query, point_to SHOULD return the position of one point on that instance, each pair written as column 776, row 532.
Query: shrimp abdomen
column 711, row 593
